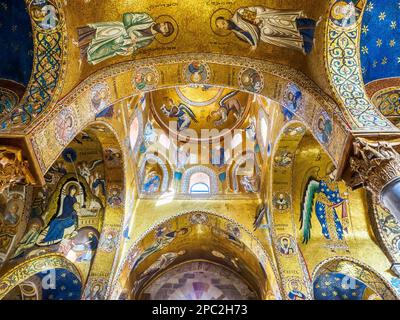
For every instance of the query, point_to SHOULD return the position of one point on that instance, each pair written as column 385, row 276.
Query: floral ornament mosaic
column 198, row 218
column 342, row 61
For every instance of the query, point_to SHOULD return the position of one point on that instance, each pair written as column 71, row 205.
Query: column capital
column 376, row 162
column 13, row 168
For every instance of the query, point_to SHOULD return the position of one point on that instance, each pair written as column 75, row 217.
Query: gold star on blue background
column 380, row 40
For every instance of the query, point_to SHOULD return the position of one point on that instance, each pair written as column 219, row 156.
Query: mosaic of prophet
column 198, row 150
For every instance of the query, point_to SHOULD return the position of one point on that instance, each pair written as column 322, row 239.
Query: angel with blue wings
column 323, row 197
column 182, row 112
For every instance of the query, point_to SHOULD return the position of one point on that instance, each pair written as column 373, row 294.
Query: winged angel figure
column 182, row 112
column 322, row 196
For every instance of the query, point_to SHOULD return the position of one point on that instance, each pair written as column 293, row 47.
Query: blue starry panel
column 337, row 286
column 67, row 286
column 380, row 40
column 16, row 54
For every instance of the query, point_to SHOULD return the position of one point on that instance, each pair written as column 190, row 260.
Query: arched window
column 199, row 183
column 134, row 132
column 262, row 130
column 199, row 180
column 237, row 139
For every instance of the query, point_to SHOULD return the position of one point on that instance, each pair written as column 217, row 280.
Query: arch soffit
column 117, row 75
column 252, row 243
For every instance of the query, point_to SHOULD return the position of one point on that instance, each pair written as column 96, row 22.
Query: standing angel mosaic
column 323, row 198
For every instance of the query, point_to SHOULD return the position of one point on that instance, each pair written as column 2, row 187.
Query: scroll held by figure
column 283, row 28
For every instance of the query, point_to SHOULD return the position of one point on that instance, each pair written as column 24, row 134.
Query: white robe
column 278, row 27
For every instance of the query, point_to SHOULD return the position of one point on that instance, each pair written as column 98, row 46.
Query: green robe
column 113, row 38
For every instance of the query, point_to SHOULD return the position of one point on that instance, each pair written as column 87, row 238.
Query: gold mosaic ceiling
column 204, row 106
column 194, row 33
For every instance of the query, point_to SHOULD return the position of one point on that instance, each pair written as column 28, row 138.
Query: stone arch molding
column 116, row 76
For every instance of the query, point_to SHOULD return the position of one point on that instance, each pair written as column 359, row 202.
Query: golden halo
column 335, row 15
column 221, row 12
column 165, row 40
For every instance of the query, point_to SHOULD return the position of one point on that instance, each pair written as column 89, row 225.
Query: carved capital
column 13, row 168
column 376, row 162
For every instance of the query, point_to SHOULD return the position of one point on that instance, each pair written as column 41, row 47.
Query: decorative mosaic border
column 49, row 65
column 277, row 218
column 342, row 63
column 115, row 282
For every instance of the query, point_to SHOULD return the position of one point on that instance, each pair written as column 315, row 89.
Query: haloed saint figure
column 289, row 29
column 104, row 40
column 66, row 222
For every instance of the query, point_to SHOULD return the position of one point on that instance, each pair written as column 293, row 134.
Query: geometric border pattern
column 344, row 72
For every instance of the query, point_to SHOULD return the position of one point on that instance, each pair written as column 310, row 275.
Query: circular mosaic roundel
column 145, row 78
column 251, row 80
column 196, row 72
column 65, row 125
column 45, row 14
